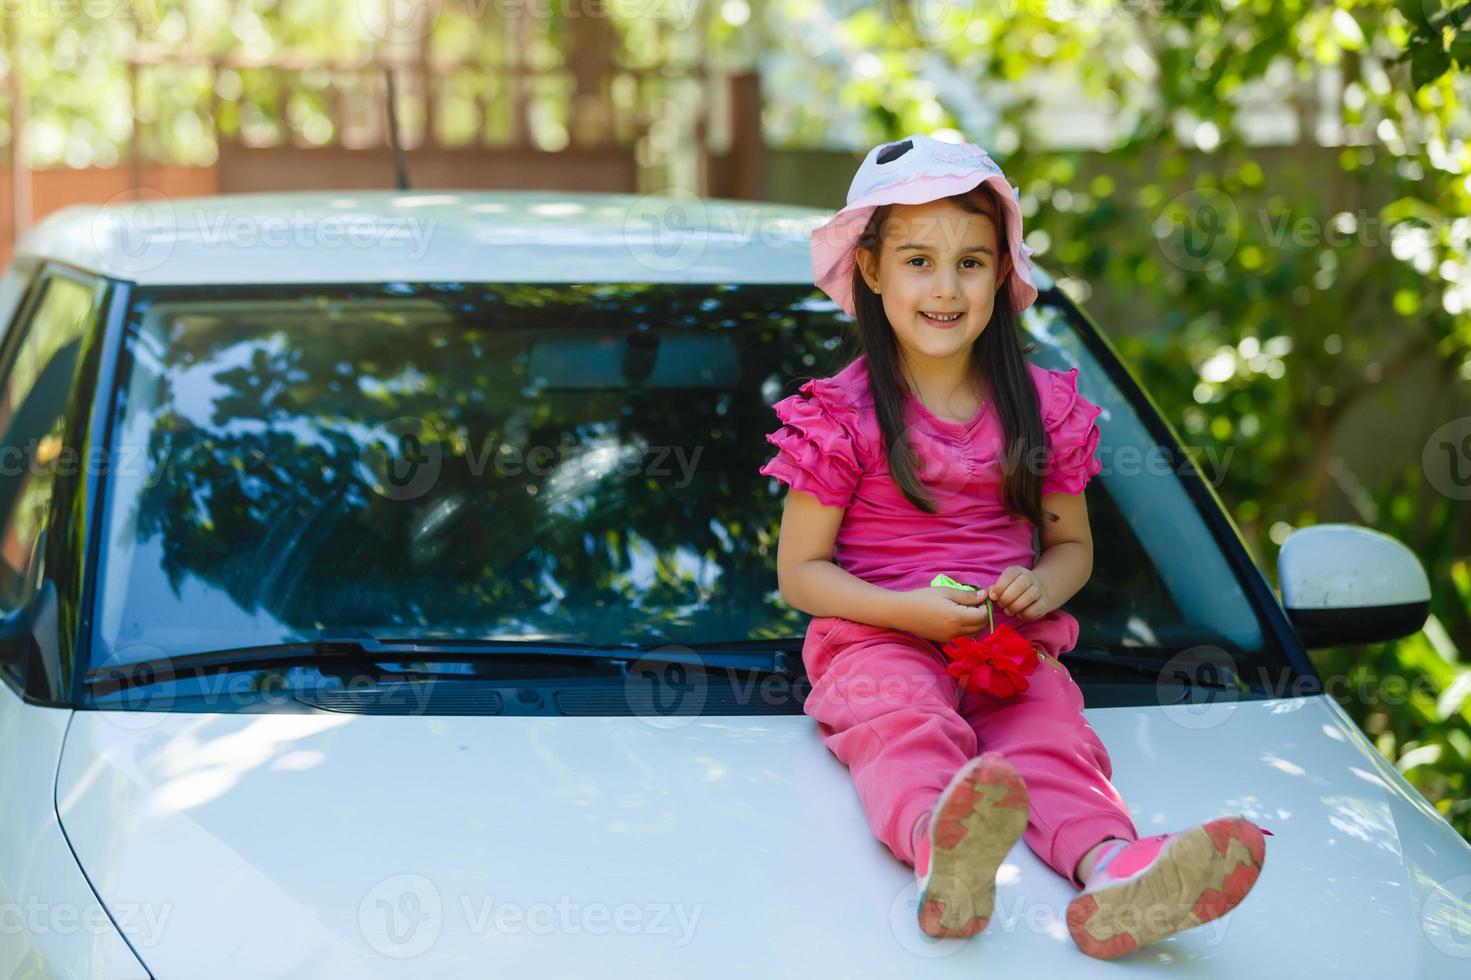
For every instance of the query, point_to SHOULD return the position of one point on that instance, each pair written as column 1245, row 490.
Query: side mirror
column 1344, row 584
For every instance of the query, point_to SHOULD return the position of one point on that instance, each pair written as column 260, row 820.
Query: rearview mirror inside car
column 608, row 362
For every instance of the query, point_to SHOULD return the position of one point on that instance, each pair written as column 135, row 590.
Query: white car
column 391, row 592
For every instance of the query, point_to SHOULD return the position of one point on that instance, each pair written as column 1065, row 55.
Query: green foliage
column 1438, row 37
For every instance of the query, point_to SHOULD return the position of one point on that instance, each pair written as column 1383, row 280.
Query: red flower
column 996, row 663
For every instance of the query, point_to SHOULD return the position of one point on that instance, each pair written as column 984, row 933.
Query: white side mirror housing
column 1345, row 584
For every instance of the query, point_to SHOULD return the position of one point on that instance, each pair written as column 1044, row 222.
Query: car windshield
column 556, row 462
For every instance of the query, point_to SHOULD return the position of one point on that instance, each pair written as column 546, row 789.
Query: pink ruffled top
column 829, row 445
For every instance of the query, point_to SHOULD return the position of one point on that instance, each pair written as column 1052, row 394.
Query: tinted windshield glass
column 561, row 462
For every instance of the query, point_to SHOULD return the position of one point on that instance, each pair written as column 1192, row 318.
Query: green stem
column 946, row 581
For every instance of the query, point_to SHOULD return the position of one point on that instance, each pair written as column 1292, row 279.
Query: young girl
column 939, row 449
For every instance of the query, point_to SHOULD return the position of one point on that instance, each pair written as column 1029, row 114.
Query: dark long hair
column 997, row 364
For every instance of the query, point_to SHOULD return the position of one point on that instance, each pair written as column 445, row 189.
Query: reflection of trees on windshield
column 404, row 459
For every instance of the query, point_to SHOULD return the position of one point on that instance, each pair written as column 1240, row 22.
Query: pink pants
column 888, row 710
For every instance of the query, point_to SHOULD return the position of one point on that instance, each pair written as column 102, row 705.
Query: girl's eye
column 920, row 258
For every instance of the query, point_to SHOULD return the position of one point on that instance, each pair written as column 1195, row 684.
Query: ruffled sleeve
column 1072, row 435
column 817, row 445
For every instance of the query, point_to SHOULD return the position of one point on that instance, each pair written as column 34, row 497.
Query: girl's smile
column 947, row 321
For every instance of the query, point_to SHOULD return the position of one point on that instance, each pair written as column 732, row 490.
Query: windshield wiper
column 1205, row 673
column 357, row 651
column 761, row 657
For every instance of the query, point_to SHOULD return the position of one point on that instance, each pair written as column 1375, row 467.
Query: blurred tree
column 295, row 71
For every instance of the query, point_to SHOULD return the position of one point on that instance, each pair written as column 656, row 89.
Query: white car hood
column 347, row 846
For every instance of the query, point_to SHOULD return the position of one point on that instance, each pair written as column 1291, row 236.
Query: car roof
column 430, row 236
column 448, row 236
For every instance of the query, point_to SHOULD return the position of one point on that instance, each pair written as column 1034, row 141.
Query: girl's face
column 937, row 258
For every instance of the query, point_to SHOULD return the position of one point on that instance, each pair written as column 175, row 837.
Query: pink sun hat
column 915, row 170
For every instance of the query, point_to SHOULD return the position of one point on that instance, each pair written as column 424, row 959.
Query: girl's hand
column 939, row 613
column 1020, row 593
